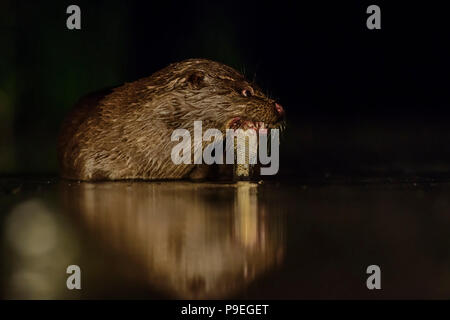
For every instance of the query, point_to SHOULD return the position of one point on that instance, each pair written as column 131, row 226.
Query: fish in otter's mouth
column 246, row 124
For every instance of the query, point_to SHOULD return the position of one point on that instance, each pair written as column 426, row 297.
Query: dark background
column 359, row 102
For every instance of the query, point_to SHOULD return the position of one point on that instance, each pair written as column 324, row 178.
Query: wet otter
column 125, row 132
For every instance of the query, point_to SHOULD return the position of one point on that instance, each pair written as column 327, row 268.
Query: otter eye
column 247, row 92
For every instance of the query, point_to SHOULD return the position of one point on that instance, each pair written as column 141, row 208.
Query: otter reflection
column 195, row 240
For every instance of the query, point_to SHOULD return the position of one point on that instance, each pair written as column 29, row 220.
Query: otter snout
column 279, row 110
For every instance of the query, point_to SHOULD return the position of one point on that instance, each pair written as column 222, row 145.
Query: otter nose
column 279, row 109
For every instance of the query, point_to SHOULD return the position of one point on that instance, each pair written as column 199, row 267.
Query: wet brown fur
column 125, row 132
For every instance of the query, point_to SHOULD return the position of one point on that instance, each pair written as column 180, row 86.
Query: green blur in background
column 44, row 70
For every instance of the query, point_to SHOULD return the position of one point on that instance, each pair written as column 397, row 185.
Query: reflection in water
column 194, row 240
column 38, row 250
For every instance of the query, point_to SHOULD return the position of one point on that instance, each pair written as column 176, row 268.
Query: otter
column 125, row 132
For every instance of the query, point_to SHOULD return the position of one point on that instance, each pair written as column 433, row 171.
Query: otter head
column 219, row 96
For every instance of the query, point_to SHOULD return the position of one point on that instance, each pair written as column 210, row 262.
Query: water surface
column 276, row 240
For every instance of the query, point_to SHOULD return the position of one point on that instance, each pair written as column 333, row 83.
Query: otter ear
column 196, row 79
